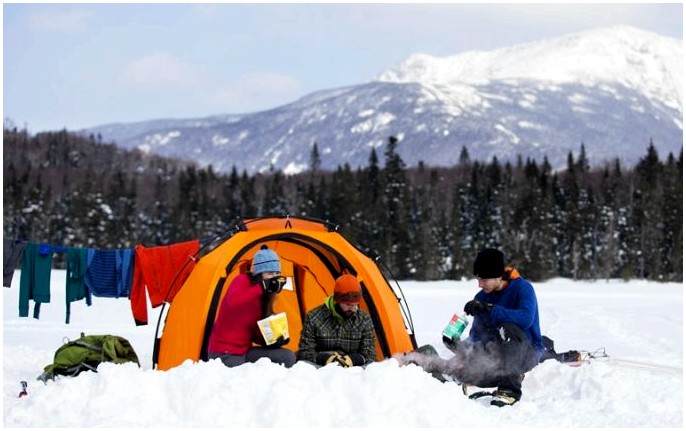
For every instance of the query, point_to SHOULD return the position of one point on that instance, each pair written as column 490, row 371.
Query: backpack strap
column 88, row 345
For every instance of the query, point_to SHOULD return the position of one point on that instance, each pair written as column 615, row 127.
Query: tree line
column 425, row 223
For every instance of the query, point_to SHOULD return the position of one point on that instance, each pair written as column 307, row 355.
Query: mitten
column 322, row 358
column 475, row 308
column 357, row 359
column 281, row 341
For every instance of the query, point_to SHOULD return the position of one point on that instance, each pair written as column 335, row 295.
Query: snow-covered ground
column 639, row 324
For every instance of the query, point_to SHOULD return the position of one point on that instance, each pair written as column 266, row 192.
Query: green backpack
column 87, row 353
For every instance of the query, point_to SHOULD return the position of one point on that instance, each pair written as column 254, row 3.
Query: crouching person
column 338, row 331
column 504, row 341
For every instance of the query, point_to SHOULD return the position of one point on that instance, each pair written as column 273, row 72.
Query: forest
column 422, row 222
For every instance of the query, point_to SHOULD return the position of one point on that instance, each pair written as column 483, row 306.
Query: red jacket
column 236, row 328
column 162, row 271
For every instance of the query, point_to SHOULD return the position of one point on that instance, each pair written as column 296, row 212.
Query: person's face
column 489, row 285
column 349, row 309
column 269, row 274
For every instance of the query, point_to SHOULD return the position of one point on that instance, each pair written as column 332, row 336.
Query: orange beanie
column 347, row 290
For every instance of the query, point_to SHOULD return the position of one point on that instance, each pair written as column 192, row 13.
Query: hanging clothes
column 77, row 265
column 34, row 284
column 109, row 272
column 161, row 270
column 13, row 250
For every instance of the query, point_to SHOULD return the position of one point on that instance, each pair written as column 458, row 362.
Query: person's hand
column 281, row 341
column 357, row 358
column 344, row 361
column 325, row 358
column 475, row 308
column 339, row 359
column 449, row 342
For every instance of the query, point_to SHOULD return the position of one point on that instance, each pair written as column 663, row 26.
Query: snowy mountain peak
column 614, row 90
column 643, row 61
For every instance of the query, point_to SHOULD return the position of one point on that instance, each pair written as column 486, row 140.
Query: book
column 273, row 327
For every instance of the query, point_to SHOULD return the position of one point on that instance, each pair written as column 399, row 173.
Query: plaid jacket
column 326, row 330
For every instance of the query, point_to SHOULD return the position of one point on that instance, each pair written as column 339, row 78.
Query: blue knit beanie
column 265, row 260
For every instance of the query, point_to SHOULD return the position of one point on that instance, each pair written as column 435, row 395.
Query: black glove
column 454, row 345
column 357, row 358
column 281, row 341
column 475, row 308
column 324, row 358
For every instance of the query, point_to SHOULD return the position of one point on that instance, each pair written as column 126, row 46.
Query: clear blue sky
column 81, row 65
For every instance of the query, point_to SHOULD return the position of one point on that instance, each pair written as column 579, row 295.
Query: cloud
column 257, row 91
column 68, row 21
column 160, row 69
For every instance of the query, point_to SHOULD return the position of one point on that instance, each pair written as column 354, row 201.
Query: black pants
column 279, row 356
column 499, row 363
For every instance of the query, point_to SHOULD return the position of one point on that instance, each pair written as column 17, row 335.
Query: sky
column 80, row 65
column 639, row 324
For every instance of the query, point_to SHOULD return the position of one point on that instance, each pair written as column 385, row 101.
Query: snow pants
column 499, row 363
column 279, row 356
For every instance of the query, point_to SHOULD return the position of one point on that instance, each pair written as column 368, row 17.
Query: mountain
column 613, row 89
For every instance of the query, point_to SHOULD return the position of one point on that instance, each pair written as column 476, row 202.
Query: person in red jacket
column 249, row 298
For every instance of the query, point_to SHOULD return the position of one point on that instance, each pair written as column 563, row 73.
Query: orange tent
column 313, row 254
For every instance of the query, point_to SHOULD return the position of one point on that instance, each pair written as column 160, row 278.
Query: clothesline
column 113, row 273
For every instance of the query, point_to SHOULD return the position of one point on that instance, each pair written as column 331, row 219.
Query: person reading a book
column 338, row 331
column 236, row 337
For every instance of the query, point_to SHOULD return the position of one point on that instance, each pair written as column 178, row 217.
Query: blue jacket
column 517, row 304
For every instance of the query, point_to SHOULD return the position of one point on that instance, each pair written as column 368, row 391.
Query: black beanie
column 489, row 263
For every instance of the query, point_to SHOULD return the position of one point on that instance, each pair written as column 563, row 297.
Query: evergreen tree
column 122, row 202
column 607, row 229
column 315, row 160
column 427, row 252
column 275, row 202
column 342, row 203
column 645, row 211
column 310, row 197
column 367, row 225
column 230, row 206
column 464, row 156
column 395, row 201
column 572, row 222
column 580, row 222
column 187, row 206
column 157, row 228
column 671, row 212
column 248, row 206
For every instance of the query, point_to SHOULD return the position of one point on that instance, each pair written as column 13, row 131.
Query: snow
column 638, row 323
column 644, row 61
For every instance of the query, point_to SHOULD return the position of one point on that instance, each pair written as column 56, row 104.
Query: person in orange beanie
column 338, row 331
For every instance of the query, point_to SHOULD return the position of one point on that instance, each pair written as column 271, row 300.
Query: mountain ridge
column 435, row 108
